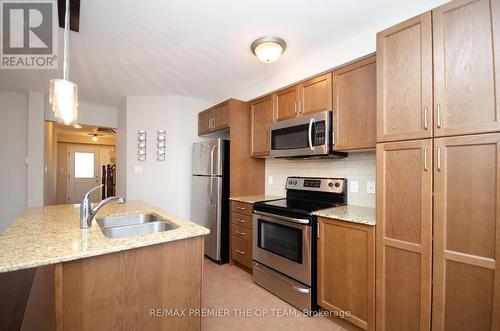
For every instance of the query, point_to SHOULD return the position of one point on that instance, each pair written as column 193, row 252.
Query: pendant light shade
column 63, row 94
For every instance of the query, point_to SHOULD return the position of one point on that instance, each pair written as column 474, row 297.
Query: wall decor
column 160, row 145
column 141, row 145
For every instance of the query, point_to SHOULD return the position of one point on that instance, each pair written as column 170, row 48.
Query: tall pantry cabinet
column 438, row 170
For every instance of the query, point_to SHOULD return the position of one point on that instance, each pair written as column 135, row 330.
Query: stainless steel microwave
column 306, row 136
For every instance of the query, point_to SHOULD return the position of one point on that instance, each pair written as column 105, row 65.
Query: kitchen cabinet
column 261, row 118
column 241, row 233
column 466, row 38
column 404, row 80
column 309, row 97
column 346, row 270
column 205, row 121
column 466, row 293
column 404, row 235
column 355, row 105
column 214, row 119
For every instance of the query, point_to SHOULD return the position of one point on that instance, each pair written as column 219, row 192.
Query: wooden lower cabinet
column 241, row 233
column 466, row 292
column 404, row 235
column 346, row 270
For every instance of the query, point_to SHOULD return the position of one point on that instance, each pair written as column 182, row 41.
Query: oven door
column 304, row 136
column 283, row 244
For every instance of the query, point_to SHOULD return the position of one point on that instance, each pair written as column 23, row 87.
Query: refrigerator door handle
column 212, row 192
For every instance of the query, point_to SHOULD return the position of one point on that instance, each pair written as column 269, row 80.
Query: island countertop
column 49, row 235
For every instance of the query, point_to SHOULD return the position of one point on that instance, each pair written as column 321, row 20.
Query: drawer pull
column 240, row 208
column 239, row 252
column 240, row 233
column 241, row 221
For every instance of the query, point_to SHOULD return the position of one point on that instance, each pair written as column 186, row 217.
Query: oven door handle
column 309, row 134
column 276, row 275
column 284, row 218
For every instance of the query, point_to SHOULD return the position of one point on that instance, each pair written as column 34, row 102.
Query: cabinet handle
column 438, row 116
column 240, row 233
column 240, row 208
column 295, row 107
column 241, row 221
column 239, row 252
column 426, row 127
column 439, row 159
column 425, row 159
column 317, row 234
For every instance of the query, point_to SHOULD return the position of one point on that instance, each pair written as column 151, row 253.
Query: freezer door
column 207, row 157
column 206, row 211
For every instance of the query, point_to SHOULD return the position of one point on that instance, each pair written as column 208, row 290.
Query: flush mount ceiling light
column 268, row 49
column 95, row 136
column 63, row 94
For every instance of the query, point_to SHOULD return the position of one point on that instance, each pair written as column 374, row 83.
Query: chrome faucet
column 87, row 213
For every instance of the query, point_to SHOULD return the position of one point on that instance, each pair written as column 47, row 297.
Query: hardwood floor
column 229, row 288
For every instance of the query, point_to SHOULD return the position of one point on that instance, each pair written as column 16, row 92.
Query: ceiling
column 200, row 48
column 85, row 131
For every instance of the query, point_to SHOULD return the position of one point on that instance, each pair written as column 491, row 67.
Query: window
column 84, row 165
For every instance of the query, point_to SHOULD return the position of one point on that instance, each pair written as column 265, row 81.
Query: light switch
column 270, row 180
column 137, row 169
column 354, row 186
column 370, row 187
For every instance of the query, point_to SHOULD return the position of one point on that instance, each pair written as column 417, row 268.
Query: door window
column 84, row 165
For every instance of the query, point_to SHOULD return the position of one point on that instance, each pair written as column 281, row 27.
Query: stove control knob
column 330, row 184
column 337, row 185
column 289, row 182
column 294, row 182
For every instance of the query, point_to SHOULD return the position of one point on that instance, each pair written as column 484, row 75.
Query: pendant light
column 63, row 94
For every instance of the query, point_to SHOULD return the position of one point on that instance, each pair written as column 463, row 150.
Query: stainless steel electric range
column 284, row 238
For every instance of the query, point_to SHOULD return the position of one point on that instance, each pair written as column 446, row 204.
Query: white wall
column 121, row 150
column 166, row 184
column 13, row 148
column 358, row 167
column 89, row 114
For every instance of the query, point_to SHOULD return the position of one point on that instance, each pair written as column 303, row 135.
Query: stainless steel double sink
column 122, row 226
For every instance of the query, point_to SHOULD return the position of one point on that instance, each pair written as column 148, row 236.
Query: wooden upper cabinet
column 355, row 105
column 346, row 270
column 286, row 103
column 316, row 94
column 205, row 119
column 466, row 67
column 404, row 235
column 261, row 118
column 466, row 293
column 404, row 80
column 221, row 116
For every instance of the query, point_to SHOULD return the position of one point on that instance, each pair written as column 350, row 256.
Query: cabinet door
column 287, row 103
column 466, row 294
column 346, row 270
column 205, row 121
column 355, row 105
column 261, row 117
column 404, row 80
column 221, row 117
column 316, row 95
column 404, row 235
column 467, row 67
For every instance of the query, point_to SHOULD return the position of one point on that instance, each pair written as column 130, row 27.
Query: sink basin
column 133, row 225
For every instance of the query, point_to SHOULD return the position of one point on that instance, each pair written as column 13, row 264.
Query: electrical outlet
column 354, row 186
column 270, row 180
column 370, row 187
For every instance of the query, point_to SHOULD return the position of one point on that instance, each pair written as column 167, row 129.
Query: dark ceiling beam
column 74, row 11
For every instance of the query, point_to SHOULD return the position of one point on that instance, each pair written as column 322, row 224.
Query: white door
column 83, row 174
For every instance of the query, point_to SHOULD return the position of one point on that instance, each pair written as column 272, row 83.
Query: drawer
column 241, row 232
column 241, row 220
column 242, row 208
column 241, row 251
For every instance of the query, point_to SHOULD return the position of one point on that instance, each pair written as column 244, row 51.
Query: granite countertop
column 48, row 235
column 350, row 213
column 255, row 198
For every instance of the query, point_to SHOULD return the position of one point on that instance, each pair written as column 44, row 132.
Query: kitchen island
column 54, row 275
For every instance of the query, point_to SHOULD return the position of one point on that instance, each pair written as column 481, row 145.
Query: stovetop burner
column 307, row 195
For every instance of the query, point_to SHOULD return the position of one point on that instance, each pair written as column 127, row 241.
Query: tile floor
column 231, row 290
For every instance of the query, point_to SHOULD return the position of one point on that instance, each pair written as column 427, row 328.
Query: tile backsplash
column 357, row 167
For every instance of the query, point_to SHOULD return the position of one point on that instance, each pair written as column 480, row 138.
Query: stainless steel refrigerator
column 210, row 195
